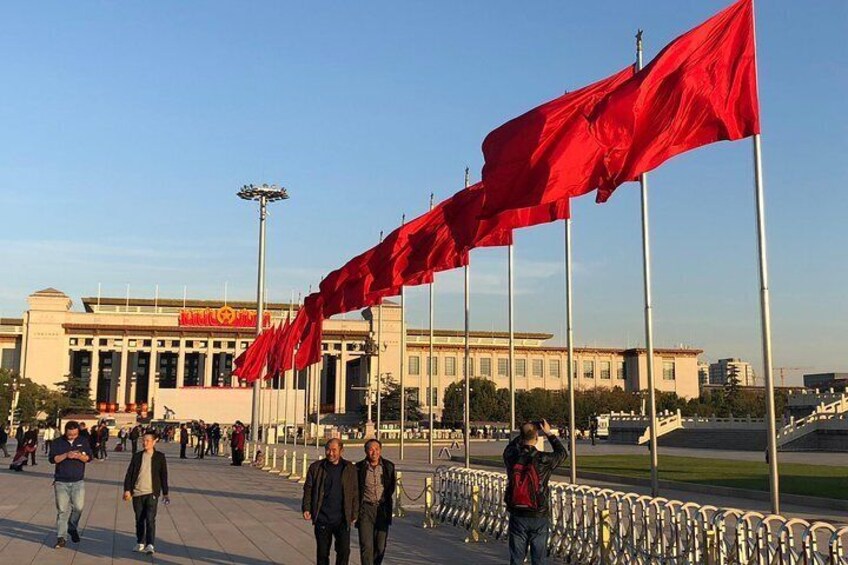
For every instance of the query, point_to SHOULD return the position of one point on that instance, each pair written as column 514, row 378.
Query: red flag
column 254, row 358
column 546, row 155
column 310, row 350
column 277, row 351
column 702, row 88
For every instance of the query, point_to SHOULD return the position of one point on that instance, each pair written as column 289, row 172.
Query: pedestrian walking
column 183, row 440
column 31, row 440
column 201, row 440
column 135, row 433
column 146, row 480
column 69, row 454
column 19, row 434
column 47, row 437
column 377, row 481
column 94, row 440
column 103, row 441
column 527, row 493
column 26, row 447
column 237, row 443
column 4, row 439
column 331, row 502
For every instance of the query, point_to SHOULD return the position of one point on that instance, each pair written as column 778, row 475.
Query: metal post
column 572, row 425
column 765, row 320
column 649, row 322
column 430, row 360
column 260, row 312
column 511, row 343
column 379, row 357
column 319, row 370
column 402, row 369
column 467, row 358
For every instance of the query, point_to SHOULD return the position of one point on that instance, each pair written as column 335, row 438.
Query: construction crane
column 782, row 374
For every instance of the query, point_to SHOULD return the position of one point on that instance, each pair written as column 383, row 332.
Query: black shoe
column 60, row 542
column 75, row 537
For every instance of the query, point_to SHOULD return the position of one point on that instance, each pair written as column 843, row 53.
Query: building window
column 538, row 367
column 553, row 368
column 73, row 341
column 434, row 365
column 668, row 369
column 574, row 371
column 412, row 394
column 175, row 343
column 621, row 373
column 520, row 367
column 89, row 341
column 503, row 367
column 485, row 367
column 216, row 344
column 103, row 342
column 414, row 365
column 231, row 344
column 588, row 369
column 133, row 343
column 146, row 343
column 605, row 370
column 450, row 366
column 189, row 344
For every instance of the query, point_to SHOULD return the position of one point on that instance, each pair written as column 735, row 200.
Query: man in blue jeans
column 69, row 453
column 527, row 493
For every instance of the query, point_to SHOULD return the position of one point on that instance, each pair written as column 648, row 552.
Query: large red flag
column 702, row 88
column 310, row 350
column 546, row 155
column 254, row 358
column 277, row 351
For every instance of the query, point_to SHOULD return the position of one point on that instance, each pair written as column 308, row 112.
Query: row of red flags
column 700, row 89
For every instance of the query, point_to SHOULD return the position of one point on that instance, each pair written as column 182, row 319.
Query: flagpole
column 511, row 341
column 569, row 317
column 649, row 322
column 402, row 361
column 430, row 363
column 467, row 360
column 379, row 357
column 286, row 383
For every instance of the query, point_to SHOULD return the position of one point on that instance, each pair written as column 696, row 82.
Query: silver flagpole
column 379, row 357
column 430, row 359
column 765, row 319
column 649, row 322
column 285, row 384
column 511, row 343
column 467, row 360
column 320, row 371
column 569, row 317
column 402, row 361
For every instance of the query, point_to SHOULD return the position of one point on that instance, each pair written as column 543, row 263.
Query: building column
column 95, row 370
column 153, row 374
column 207, row 365
column 123, row 376
column 181, row 364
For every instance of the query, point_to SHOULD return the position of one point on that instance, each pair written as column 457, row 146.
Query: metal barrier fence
column 601, row 526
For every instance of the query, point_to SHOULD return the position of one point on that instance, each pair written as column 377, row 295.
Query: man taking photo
column 331, row 502
column 69, row 453
column 527, row 493
column 377, row 481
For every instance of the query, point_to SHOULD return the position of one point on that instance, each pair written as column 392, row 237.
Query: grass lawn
column 824, row 481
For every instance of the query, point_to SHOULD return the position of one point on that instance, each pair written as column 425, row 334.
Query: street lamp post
column 264, row 194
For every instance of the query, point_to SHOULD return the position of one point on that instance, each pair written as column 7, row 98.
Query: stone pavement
column 219, row 514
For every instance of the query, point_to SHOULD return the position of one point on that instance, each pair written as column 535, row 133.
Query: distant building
column 720, row 372
column 703, row 374
column 837, row 381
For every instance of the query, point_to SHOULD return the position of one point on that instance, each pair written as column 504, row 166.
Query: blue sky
column 127, row 128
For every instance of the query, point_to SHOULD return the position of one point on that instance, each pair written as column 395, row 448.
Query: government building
column 166, row 358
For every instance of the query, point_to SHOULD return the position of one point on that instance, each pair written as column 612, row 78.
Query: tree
column 77, row 392
column 34, row 400
column 390, row 403
column 487, row 405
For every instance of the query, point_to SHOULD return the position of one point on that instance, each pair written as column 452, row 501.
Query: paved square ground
column 219, row 514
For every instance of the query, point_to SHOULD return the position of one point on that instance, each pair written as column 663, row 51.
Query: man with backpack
column 527, row 493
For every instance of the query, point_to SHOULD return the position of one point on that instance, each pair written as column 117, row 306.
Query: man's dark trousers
column 145, row 518
column 182, row 451
column 134, row 445
column 528, row 531
column 324, row 536
column 373, row 532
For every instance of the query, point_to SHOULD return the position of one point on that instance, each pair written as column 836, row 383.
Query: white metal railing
column 592, row 525
column 665, row 424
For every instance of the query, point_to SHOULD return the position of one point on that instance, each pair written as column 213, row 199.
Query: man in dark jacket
column 331, row 502
column 377, row 480
column 183, row 440
column 69, row 453
column 527, row 493
column 146, row 479
column 135, row 433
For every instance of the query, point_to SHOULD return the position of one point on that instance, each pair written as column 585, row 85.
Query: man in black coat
column 145, row 481
column 135, row 433
column 377, row 481
column 183, row 440
column 331, row 502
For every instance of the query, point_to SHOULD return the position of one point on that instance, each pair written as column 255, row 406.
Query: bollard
column 265, row 459
column 474, row 535
column 399, row 511
column 711, row 546
column 285, row 470
column 605, row 536
column 294, row 476
column 304, row 470
column 429, row 522
column 273, row 468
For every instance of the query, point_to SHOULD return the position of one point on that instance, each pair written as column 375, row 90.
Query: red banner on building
column 223, row 317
